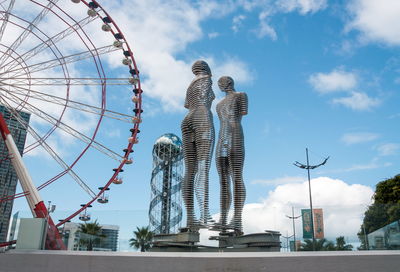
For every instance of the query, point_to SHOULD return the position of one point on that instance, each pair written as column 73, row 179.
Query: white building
column 107, row 242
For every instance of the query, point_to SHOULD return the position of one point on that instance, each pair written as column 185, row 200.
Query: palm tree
column 90, row 234
column 320, row 245
column 143, row 239
column 341, row 244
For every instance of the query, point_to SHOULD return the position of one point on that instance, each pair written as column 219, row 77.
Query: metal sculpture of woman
column 198, row 142
column 230, row 152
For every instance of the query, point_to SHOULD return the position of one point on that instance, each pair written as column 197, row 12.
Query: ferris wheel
column 68, row 67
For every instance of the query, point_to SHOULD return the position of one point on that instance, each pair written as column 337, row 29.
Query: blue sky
column 319, row 74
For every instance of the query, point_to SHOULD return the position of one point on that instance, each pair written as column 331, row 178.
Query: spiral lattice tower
column 165, row 212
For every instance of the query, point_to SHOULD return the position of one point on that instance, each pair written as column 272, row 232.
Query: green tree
column 320, row 245
column 388, row 193
column 384, row 210
column 90, row 234
column 143, row 239
column 341, row 244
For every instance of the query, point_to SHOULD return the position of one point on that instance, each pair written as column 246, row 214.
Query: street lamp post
column 287, row 237
column 63, row 230
column 294, row 227
column 50, row 209
column 308, row 167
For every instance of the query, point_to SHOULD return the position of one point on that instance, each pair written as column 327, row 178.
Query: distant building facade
column 108, row 240
column 8, row 177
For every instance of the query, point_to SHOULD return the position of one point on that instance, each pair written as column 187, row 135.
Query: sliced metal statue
column 230, row 153
column 198, row 138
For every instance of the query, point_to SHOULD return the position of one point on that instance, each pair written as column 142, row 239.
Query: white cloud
column 280, row 180
column 159, row 32
column 358, row 101
column 341, row 81
column 79, row 120
column 377, row 21
column 232, row 66
column 269, row 8
column 213, row 35
column 337, row 80
column 374, row 164
column 114, row 133
column 237, row 22
column 303, row 6
column 343, row 205
column 264, row 28
column 388, row 149
column 393, row 116
column 359, row 137
column 368, row 166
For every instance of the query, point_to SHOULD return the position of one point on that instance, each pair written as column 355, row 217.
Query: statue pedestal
column 267, row 241
column 253, row 242
column 183, row 237
column 183, row 241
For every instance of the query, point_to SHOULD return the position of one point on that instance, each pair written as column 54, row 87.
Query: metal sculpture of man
column 198, row 143
column 230, row 153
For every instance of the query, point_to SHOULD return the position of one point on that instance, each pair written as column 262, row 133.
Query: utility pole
column 308, row 167
column 294, row 228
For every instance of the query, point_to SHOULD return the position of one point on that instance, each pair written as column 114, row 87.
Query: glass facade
column 387, row 237
column 110, row 240
column 8, row 177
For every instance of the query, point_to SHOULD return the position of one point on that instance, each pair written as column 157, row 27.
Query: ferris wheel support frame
column 35, row 202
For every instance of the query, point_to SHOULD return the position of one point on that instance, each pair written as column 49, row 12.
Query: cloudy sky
column 320, row 74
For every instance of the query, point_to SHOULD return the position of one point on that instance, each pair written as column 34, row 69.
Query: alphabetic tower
column 165, row 213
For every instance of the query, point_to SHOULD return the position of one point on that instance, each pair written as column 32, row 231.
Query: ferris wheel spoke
column 49, row 150
column 5, row 18
column 51, row 41
column 18, row 90
column 66, row 128
column 23, row 81
column 62, row 163
column 64, row 60
column 27, row 31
